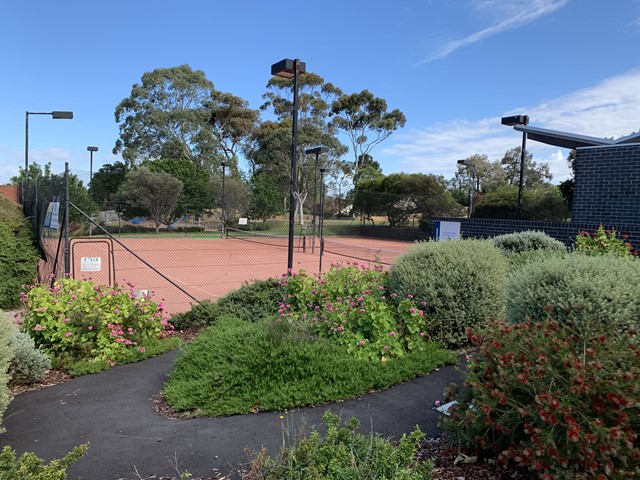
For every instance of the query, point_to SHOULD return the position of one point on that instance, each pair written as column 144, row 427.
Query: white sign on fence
column 242, row 221
column 447, row 231
column 90, row 264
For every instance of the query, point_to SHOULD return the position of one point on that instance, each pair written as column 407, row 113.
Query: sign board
column 90, row 264
column 51, row 217
column 242, row 221
column 444, row 231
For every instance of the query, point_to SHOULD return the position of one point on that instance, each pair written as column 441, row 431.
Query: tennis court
column 208, row 268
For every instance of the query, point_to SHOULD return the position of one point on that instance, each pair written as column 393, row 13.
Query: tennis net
column 364, row 253
column 267, row 239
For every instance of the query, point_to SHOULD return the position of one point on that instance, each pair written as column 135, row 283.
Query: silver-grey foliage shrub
column 526, row 241
column 575, row 288
column 28, row 364
column 462, row 281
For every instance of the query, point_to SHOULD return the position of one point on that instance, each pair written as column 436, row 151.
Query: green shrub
column 462, row 282
column 603, row 242
column 252, row 302
column 77, row 320
column 6, row 353
column 236, row 367
column 28, row 364
column 18, row 255
column 574, row 288
column 29, row 467
column 519, row 242
column 343, row 453
column 352, row 306
column 518, row 260
column 559, row 402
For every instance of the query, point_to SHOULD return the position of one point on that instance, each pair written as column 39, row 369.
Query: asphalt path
column 113, row 411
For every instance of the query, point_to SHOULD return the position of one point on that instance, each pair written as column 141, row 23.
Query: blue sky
column 454, row 67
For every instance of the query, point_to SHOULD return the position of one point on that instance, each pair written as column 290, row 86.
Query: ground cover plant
column 240, row 367
column 18, row 255
column 462, row 282
column 342, row 453
column 553, row 398
column 92, row 327
column 30, row 467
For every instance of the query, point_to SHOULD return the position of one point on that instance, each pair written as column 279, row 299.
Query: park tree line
column 179, row 135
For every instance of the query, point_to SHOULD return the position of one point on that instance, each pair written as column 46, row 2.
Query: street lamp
column 512, row 121
column 288, row 68
column 91, row 150
column 322, row 170
column 224, row 166
column 317, row 151
column 55, row 115
column 468, row 163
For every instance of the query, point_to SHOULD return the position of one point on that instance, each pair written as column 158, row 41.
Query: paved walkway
column 113, row 411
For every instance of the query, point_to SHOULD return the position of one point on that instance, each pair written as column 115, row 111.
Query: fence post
column 67, row 250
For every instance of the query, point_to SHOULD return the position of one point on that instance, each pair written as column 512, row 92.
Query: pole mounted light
column 467, row 164
column 224, row 167
column 513, row 121
column 317, row 151
column 91, row 150
column 291, row 69
column 322, row 170
column 56, row 115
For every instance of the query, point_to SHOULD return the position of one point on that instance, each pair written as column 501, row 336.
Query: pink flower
column 68, row 334
column 37, row 327
column 116, row 311
column 90, row 327
column 362, row 342
column 412, row 310
column 392, row 334
column 67, row 320
column 409, row 296
column 362, row 310
column 142, row 349
column 130, row 330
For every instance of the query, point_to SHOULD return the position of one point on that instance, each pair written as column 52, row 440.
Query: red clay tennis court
column 208, row 268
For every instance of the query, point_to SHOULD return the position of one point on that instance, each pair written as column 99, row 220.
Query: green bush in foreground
column 28, row 364
column 18, row 255
column 252, row 302
column 576, row 287
column 519, row 242
column 557, row 401
column 29, row 467
column 6, row 354
column 604, row 242
column 342, row 453
column 238, row 367
column 461, row 281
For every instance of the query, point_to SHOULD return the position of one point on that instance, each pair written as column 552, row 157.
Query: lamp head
column 317, row 150
column 515, row 120
column 287, row 68
column 92, row 149
column 62, row 115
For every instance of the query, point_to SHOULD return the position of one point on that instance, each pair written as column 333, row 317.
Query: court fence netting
column 183, row 261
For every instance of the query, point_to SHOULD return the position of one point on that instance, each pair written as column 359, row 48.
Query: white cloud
column 608, row 109
column 12, row 161
column 507, row 15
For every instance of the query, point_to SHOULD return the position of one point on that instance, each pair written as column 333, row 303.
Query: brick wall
column 10, row 192
column 607, row 185
column 566, row 232
column 396, row 233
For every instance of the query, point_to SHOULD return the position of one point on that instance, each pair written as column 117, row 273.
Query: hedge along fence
column 565, row 232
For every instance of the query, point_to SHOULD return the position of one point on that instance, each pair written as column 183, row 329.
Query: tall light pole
column 322, row 170
column 467, row 164
column 55, row 115
column 317, row 151
column 288, row 68
column 512, row 121
column 224, row 167
column 91, row 150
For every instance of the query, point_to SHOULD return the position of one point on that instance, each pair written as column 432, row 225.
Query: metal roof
column 566, row 139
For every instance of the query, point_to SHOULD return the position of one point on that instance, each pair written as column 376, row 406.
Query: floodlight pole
column 512, row 121
column 55, row 115
column 317, row 151
column 224, row 167
column 288, row 68
column 322, row 170
column 91, row 150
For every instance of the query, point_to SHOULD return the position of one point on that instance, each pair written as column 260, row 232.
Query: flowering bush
column 352, row 305
column 76, row 319
column 603, row 242
column 561, row 404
